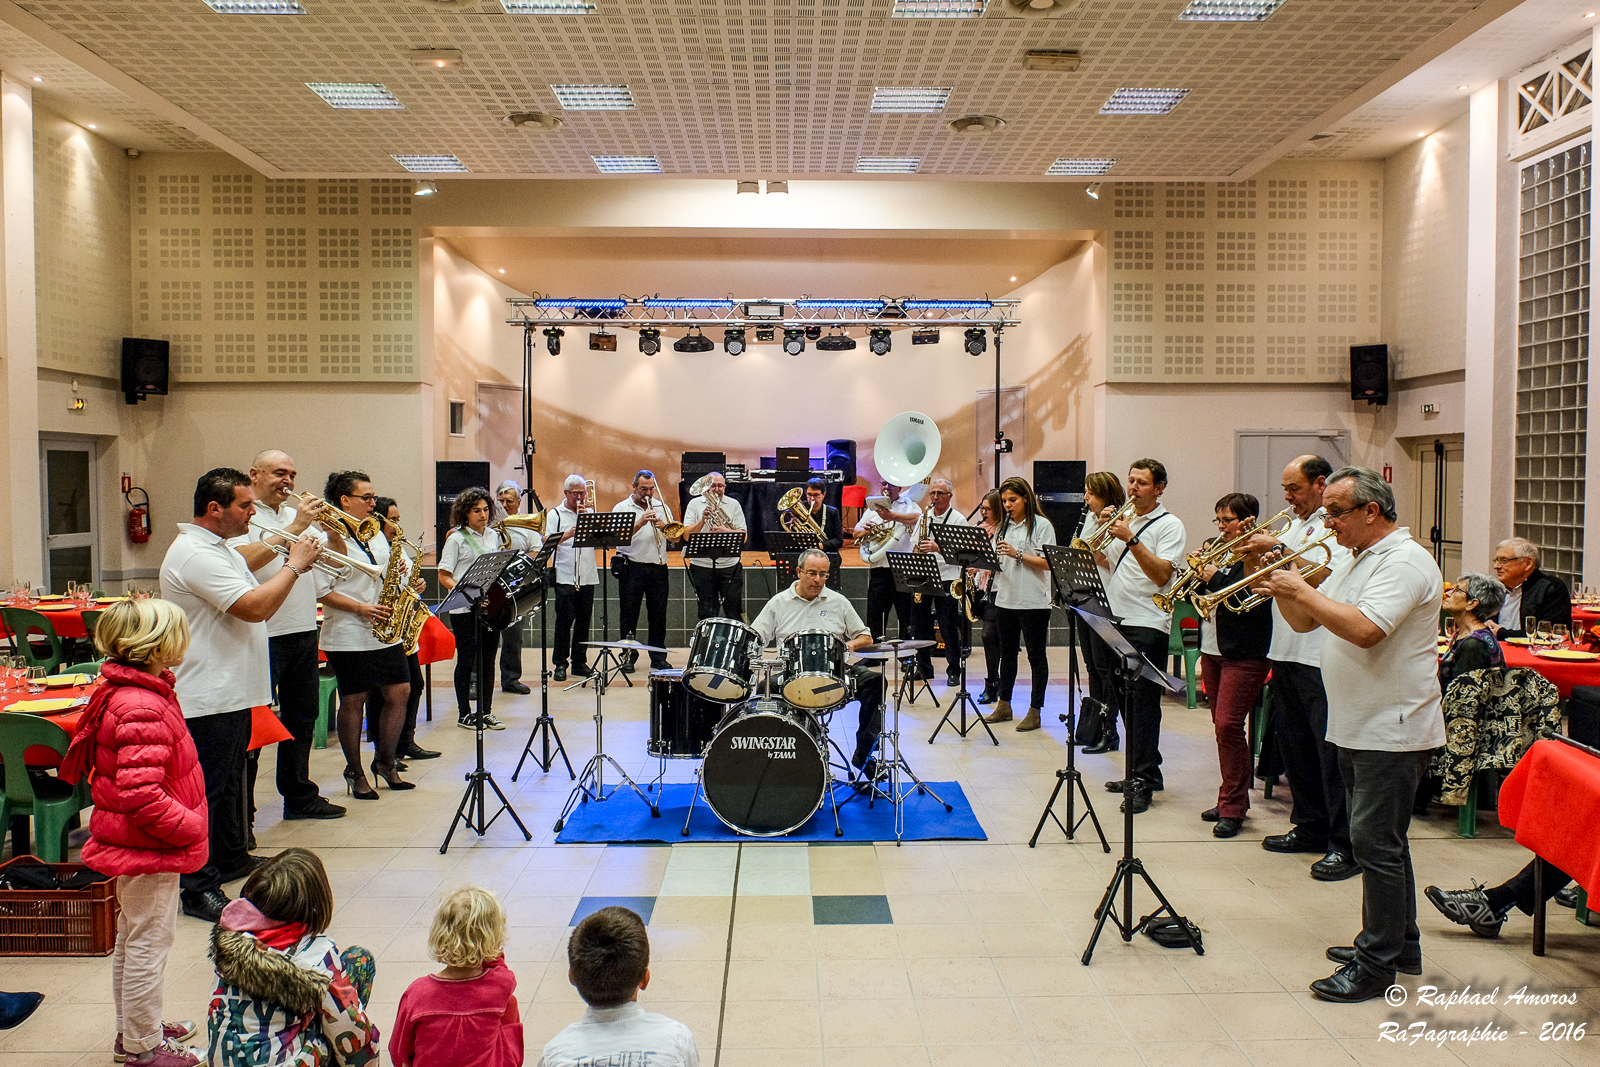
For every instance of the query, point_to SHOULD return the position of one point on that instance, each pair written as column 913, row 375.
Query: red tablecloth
column 1587, row 616
column 1564, row 673
column 68, row 622
column 1552, row 799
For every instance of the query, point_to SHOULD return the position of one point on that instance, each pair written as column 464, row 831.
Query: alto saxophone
column 921, row 536
column 407, row 613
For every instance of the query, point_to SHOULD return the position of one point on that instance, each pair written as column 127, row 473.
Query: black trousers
column 1311, row 763
column 1030, row 626
column 1142, row 721
column 574, row 606
column 882, row 595
column 222, row 742
column 720, row 591
column 953, row 627
column 465, row 627
column 1379, row 788
column 869, row 693
column 1518, row 889
column 511, row 654
column 991, row 647
column 1100, row 667
column 645, row 584
column 294, row 672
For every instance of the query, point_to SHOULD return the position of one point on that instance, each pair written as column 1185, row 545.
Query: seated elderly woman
column 1472, row 602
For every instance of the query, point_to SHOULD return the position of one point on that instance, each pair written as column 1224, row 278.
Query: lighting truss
column 751, row 313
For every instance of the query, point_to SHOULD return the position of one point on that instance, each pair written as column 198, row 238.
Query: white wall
column 1425, row 253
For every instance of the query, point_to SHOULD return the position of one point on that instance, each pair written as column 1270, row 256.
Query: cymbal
column 628, row 644
column 896, row 645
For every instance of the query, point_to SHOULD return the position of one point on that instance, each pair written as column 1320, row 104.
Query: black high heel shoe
column 350, row 786
column 392, row 778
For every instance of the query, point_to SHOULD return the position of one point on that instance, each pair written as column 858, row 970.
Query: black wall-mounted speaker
column 1369, row 373
column 144, row 368
column 841, row 456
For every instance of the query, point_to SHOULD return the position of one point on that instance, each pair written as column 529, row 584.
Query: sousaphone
column 906, row 451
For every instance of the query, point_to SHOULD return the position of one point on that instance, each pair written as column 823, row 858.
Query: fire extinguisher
column 138, row 515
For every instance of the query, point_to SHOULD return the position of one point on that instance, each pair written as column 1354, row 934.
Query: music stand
column 545, row 726
column 784, row 549
column 490, row 614
column 713, row 546
column 1131, row 666
column 957, row 543
column 604, row 530
column 916, row 573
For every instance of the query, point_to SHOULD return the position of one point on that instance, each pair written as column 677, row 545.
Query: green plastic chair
column 1190, row 656
column 89, row 667
column 52, row 803
column 23, row 624
column 327, row 709
column 91, row 619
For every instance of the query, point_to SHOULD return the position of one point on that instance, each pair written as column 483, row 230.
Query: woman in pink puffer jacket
column 149, row 823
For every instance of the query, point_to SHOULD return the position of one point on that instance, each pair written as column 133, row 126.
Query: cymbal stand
column 591, row 783
column 892, row 764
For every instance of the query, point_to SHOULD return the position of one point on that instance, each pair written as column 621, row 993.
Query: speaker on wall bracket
column 1369, row 373
column 144, row 368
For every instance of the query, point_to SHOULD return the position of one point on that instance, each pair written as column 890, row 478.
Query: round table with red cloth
column 68, row 622
column 1586, row 614
column 1564, row 673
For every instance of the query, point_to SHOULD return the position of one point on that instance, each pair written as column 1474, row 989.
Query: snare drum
column 681, row 722
column 766, row 770
column 719, row 659
column 813, row 675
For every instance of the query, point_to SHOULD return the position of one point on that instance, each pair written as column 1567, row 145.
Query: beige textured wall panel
column 1425, row 254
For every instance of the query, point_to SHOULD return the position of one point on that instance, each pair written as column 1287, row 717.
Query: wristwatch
column 1132, row 541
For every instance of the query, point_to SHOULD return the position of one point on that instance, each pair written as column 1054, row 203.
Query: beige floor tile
column 767, row 1057
column 865, row 978
column 954, row 978
column 857, row 1021
column 679, row 980
column 1172, row 1017
column 846, row 882
column 690, row 911
column 1299, row 1053
column 842, row 857
column 1261, row 1016
column 941, row 939
column 750, row 1024
column 1067, row 1020
column 983, row 1055
column 793, row 941
column 772, row 980
column 914, row 908
column 1100, row 1053
column 1192, row 1054
column 761, row 911
column 876, row 1056
column 1036, row 976
column 857, row 942
column 969, row 1021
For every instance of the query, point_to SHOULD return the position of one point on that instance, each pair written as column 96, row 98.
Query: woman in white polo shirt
column 469, row 538
column 1022, row 598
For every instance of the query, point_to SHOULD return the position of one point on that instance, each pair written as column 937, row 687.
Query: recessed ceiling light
column 1461, row 87
column 888, row 165
column 594, row 97
column 908, row 100
column 424, row 187
column 356, row 96
column 1422, row 135
column 534, row 121
column 547, row 7
column 92, row 126
column 1092, row 190
column 1229, row 10
column 1051, row 59
column 1065, row 165
column 1013, row 277
column 627, row 164
column 256, row 7
column 502, row 270
column 436, row 58
column 938, row 9
column 1143, row 101
column 37, row 78
column 430, row 164
column 975, row 124
column 1589, row 15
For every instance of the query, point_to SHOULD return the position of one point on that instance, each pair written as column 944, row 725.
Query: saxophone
column 921, row 536
column 407, row 613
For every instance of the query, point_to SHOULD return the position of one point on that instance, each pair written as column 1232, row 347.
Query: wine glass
column 1576, row 631
column 36, row 677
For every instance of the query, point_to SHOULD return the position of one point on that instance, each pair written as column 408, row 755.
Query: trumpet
column 334, row 564
column 1220, row 555
column 518, row 521
column 345, row 524
column 1100, row 538
column 1205, row 605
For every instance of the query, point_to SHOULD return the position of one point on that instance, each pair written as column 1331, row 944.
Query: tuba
column 713, row 514
column 905, row 452
column 794, row 516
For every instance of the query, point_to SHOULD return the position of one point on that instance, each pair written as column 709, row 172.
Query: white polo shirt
column 228, row 666
column 732, row 509
column 574, row 566
column 1288, row 646
column 462, row 547
column 522, row 540
column 345, row 631
column 1387, row 697
column 649, row 545
column 299, row 611
column 1019, row 587
column 948, row 572
column 790, row 613
column 1129, row 589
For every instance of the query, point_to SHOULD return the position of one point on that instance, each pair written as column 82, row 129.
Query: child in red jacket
column 149, row 823
column 466, row 1015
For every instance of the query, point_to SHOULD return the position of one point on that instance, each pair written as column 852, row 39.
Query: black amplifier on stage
column 696, row 464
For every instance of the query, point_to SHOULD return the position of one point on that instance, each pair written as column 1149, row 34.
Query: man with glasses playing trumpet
column 644, row 567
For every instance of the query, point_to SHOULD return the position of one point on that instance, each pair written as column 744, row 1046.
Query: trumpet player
column 292, row 630
column 1145, row 553
column 1102, row 496
column 718, row 584
column 360, row 661
column 508, row 495
column 576, row 577
column 948, row 610
column 882, row 593
column 831, row 524
column 644, row 569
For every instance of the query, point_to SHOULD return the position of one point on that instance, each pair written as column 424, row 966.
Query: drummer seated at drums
column 809, row 605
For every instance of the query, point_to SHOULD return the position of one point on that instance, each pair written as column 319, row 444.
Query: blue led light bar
column 657, row 303
column 581, row 302
column 810, row 305
column 946, row 305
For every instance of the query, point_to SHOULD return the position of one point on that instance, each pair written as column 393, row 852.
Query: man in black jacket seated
column 1529, row 591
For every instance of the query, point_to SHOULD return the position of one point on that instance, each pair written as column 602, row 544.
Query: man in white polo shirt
column 227, row 669
column 1380, row 669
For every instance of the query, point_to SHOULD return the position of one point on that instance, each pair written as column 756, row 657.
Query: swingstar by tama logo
column 774, row 747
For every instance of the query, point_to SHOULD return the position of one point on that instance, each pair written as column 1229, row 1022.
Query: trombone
column 345, row 524
column 1100, row 538
column 1220, row 555
column 331, row 563
column 1205, row 605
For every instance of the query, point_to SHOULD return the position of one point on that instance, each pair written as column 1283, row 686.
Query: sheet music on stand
column 965, row 546
column 469, row 590
column 784, row 549
column 916, row 572
column 1077, row 579
column 712, row 546
column 1119, row 645
column 603, row 529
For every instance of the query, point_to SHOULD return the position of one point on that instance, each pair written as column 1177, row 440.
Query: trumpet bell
column 672, row 531
column 907, row 449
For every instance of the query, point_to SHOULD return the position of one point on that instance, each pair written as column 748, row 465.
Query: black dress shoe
column 1343, row 954
column 316, row 808
column 580, row 670
column 1106, row 744
column 952, row 678
column 245, row 869
column 560, row 675
column 516, row 687
column 1295, row 840
column 1336, row 866
column 627, row 667
column 207, row 905
column 1227, row 827
column 1210, row 815
column 988, row 694
column 1139, row 798
column 1351, row 985
column 1116, row 787
column 416, row 751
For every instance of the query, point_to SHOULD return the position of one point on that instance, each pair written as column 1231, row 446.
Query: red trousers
column 1233, row 686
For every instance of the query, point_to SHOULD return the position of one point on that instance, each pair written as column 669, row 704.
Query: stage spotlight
column 794, row 340
column 878, row 341
column 1092, row 190
column 813, row 332
column 649, row 340
column 836, row 342
column 733, row 342
column 693, row 342
column 977, row 341
column 925, row 337
column 602, row 342
column 552, row 339
column 766, row 333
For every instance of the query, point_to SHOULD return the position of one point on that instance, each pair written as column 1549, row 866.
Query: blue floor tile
column 850, row 911
column 589, row 905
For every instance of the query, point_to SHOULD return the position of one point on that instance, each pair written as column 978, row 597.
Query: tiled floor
column 929, row 953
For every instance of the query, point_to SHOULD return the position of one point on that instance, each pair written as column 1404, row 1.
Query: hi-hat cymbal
column 629, row 644
column 895, row 645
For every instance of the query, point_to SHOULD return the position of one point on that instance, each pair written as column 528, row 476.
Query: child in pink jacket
column 466, row 1015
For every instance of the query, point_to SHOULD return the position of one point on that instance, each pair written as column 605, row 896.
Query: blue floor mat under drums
column 624, row 819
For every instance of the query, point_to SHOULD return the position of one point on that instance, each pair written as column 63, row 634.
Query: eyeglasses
column 1222, row 522
column 368, row 497
column 814, row 574
column 1339, row 513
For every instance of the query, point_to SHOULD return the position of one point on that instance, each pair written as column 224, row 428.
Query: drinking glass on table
column 1576, row 630
column 36, row 677
column 1544, row 630
column 14, row 668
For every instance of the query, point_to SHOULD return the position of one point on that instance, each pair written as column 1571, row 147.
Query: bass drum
column 681, row 722
column 719, row 659
column 813, row 675
column 766, row 770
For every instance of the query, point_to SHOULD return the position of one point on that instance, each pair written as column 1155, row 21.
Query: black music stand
column 784, row 549
column 916, row 573
column 495, row 604
column 1131, row 666
column 545, row 726
column 1076, row 578
column 964, row 546
column 605, row 530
